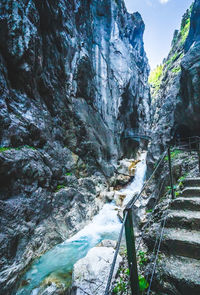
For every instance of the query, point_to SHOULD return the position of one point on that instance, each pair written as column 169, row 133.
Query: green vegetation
column 172, row 63
column 4, row 149
column 155, row 78
column 68, row 173
column 177, row 187
column 142, row 257
column 176, row 70
column 182, row 178
column 168, row 188
column 59, row 187
column 185, row 31
column 185, row 25
column 174, row 154
column 120, row 287
column 143, row 284
column 169, row 63
column 172, row 59
column 180, row 184
column 149, row 211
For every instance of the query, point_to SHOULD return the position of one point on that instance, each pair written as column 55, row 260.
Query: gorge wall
column 73, row 79
column 176, row 87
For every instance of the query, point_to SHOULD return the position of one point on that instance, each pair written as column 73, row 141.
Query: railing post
column 131, row 252
column 170, row 173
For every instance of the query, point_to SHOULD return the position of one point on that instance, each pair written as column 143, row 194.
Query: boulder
column 119, row 198
column 90, row 274
column 107, row 196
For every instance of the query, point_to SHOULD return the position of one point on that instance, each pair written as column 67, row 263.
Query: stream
column 105, row 225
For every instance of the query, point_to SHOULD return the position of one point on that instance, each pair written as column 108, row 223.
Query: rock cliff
column 73, row 79
column 175, row 90
column 175, row 86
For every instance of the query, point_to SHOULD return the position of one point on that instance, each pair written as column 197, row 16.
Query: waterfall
column 136, row 185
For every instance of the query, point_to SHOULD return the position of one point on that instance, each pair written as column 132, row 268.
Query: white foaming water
column 136, row 185
column 105, row 225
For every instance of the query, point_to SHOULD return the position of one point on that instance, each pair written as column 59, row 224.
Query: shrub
column 143, row 284
column 142, row 257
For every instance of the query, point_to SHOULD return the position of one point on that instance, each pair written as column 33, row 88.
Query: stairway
column 178, row 269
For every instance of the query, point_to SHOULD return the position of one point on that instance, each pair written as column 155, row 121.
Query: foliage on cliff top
column 180, row 36
column 172, row 63
column 176, row 52
column 185, row 30
column 155, row 79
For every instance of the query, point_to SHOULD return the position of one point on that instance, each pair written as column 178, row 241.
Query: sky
column 161, row 18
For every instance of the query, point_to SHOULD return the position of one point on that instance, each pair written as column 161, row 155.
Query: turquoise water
column 60, row 259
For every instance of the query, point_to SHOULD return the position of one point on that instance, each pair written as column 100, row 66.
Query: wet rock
column 122, row 180
column 108, row 243
column 107, row 196
column 86, row 271
column 123, row 167
column 119, row 198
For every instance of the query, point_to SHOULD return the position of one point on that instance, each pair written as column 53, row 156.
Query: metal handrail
column 128, row 219
column 132, row 202
column 107, row 291
column 136, row 133
column 127, row 216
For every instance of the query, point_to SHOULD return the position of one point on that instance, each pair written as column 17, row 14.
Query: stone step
column 177, row 275
column 191, row 192
column 192, row 182
column 181, row 242
column 175, row 241
column 183, row 219
column 190, row 203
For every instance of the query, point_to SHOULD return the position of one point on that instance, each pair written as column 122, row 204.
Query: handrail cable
column 153, row 253
column 149, row 219
column 130, row 204
column 157, row 239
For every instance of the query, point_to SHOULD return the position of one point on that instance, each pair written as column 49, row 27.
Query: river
column 105, row 225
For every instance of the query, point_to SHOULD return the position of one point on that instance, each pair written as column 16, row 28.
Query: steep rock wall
column 176, row 105
column 73, row 79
